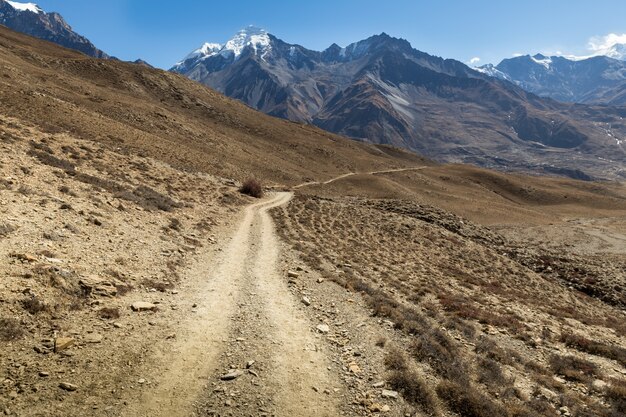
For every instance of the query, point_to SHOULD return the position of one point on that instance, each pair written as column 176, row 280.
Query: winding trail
column 246, row 311
column 349, row 174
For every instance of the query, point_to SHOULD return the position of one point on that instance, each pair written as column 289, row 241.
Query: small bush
column 616, row 395
column 6, row 229
column 109, row 313
column 158, row 285
column 467, row 401
column 33, row 305
column 595, row 348
column 252, row 187
column 573, row 368
column 10, row 329
column 407, row 381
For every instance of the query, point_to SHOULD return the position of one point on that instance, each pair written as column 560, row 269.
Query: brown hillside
column 167, row 116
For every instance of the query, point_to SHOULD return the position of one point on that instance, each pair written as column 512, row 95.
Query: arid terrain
column 138, row 281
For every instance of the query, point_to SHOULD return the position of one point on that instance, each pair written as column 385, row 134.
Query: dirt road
column 349, row 174
column 247, row 321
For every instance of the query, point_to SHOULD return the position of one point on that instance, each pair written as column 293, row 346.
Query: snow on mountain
column 542, row 60
column 205, row 51
column 252, row 36
column 492, row 71
column 23, row 7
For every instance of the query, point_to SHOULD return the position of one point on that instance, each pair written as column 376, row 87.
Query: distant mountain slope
column 590, row 80
column 145, row 111
column 30, row 19
column 383, row 91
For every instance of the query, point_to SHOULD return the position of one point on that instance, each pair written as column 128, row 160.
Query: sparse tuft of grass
column 573, row 368
column 34, row 305
column 10, row 329
column 109, row 313
column 466, row 401
column 595, row 348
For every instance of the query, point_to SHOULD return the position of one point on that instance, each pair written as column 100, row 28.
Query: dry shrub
column 573, row 368
column 50, row 160
column 6, row 229
column 33, row 305
column 10, row 329
column 466, row 401
column 490, row 373
column 252, row 187
column 109, row 313
column 594, row 347
column 158, row 285
column 175, row 224
column 414, row 388
column 616, row 396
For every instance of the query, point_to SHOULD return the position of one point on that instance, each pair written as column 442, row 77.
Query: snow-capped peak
column 205, row 51
column 251, row 36
column 23, row 7
column 542, row 60
column 492, row 71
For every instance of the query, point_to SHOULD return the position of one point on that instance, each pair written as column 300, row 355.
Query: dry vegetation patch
column 480, row 320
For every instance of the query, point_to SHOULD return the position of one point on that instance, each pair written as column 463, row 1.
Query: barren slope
column 167, row 116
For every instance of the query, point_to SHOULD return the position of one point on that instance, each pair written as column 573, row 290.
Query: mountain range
column 382, row 90
column 593, row 80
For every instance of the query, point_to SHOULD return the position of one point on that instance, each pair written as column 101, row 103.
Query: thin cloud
column 601, row 45
column 474, row 60
column 517, row 54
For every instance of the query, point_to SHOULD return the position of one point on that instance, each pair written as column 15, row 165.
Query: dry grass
column 160, row 286
column 468, row 402
column 109, row 313
column 33, row 305
column 594, row 347
column 573, row 368
column 406, row 380
column 10, row 329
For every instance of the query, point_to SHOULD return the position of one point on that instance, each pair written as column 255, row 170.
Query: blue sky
column 162, row 32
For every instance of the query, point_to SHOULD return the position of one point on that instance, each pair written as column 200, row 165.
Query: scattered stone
column 13, row 395
column 142, row 306
column 141, row 381
column 385, row 409
column 96, row 285
column 375, row 407
column 93, row 338
column 232, row 374
column 598, row 385
column 292, row 274
column 62, row 343
column 249, row 364
column 379, row 384
column 118, row 325
column 320, row 280
column 387, row 393
column 44, row 374
column 323, row 328
column 250, row 371
column 67, row 386
column 354, row 368
column 306, row 301
column 24, row 257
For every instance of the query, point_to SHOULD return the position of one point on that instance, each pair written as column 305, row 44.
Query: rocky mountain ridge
column 382, row 90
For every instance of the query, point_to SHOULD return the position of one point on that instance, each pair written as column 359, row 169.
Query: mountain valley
column 168, row 250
